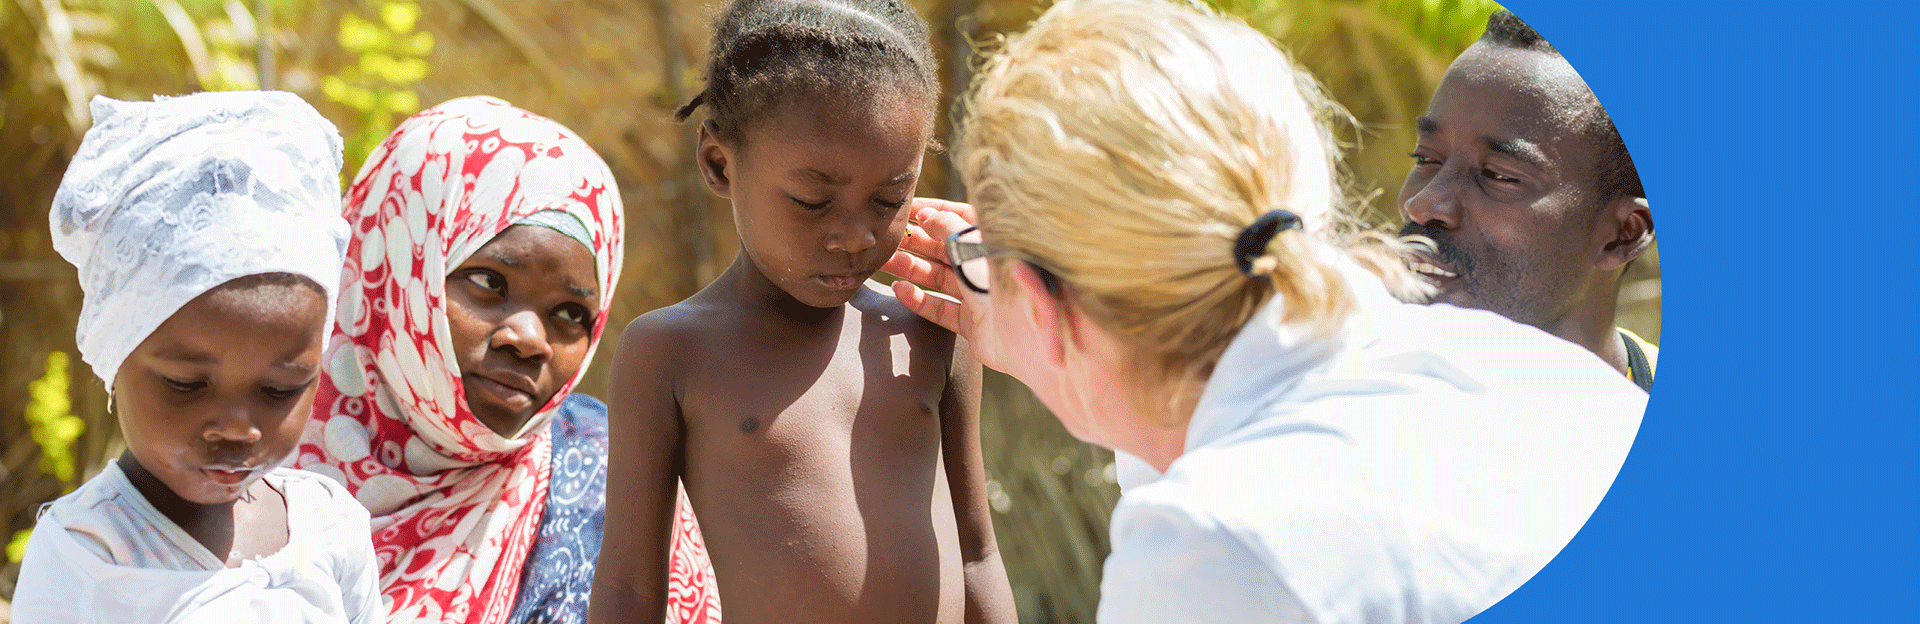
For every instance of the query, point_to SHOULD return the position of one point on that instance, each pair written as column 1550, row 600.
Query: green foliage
column 220, row 41
column 1381, row 60
column 392, row 58
column 50, row 420
column 232, row 66
column 1442, row 23
column 17, row 547
column 1051, row 495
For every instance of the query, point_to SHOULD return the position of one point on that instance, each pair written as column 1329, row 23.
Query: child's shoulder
column 109, row 518
column 315, row 496
column 662, row 346
column 93, row 514
column 304, row 480
column 678, row 323
column 64, row 560
column 881, row 311
column 877, row 304
column 108, row 485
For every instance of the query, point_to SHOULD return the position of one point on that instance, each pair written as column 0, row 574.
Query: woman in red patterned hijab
column 486, row 246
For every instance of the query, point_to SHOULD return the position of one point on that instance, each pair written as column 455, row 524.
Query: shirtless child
column 828, row 438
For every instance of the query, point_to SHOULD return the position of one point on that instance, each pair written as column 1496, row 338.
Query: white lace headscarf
column 168, row 199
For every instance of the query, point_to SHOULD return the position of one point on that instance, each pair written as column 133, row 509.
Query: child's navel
column 749, row 424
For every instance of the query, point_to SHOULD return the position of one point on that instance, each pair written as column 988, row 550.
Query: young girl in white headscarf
column 208, row 240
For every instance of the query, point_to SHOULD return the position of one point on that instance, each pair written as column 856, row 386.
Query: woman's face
column 522, row 312
column 216, row 397
column 1075, row 366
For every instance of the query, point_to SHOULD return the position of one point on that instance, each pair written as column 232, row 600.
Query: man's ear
column 1045, row 311
column 714, row 158
column 1630, row 224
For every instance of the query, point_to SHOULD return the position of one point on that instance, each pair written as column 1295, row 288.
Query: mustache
column 1442, row 247
column 1419, row 229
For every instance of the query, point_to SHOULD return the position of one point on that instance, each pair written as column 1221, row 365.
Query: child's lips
column 228, row 475
column 843, row 281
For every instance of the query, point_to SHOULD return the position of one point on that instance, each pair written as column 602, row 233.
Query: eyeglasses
column 967, row 253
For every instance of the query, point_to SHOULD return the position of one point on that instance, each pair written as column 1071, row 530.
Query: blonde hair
column 1126, row 143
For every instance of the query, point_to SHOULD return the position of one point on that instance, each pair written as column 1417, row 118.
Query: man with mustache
column 1529, row 196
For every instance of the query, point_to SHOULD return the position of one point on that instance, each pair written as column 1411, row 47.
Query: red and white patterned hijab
column 456, row 507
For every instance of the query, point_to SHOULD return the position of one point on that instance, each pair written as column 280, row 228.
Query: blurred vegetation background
column 613, row 70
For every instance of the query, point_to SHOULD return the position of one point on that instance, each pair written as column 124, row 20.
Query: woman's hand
column 928, row 285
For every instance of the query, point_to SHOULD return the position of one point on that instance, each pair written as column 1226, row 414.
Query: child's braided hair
column 766, row 52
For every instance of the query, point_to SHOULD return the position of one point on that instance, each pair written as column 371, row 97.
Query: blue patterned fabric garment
column 559, row 570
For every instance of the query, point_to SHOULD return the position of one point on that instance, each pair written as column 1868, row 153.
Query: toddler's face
column 216, row 397
column 522, row 312
column 820, row 190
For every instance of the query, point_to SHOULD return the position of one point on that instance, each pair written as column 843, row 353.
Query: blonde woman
column 1157, row 255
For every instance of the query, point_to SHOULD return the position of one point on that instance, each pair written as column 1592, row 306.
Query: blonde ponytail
column 1127, row 145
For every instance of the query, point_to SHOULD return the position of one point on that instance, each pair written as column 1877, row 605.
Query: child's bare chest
column 825, row 470
column 873, row 396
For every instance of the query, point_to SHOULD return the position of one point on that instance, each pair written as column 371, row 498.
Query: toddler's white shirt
column 104, row 554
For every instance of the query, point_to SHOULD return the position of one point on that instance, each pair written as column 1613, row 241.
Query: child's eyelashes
column 182, row 386
column 883, row 203
column 282, row 394
column 276, row 393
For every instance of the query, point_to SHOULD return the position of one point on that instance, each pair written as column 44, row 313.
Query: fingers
column 962, row 210
column 940, row 218
column 941, row 311
column 921, row 264
column 923, row 271
column 924, row 244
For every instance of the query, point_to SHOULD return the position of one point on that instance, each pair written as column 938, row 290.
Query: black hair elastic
column 1253, row 239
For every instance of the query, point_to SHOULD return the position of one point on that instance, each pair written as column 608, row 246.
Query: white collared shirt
column 1415, row 468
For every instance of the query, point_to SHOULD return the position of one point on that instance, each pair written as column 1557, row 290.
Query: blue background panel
column 1777, row 473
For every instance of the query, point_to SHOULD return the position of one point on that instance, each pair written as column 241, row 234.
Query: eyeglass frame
column 959, row 252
